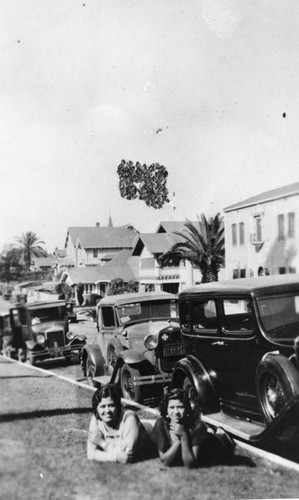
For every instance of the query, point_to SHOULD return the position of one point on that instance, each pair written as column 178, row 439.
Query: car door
column 201, row 332
column 241, row 352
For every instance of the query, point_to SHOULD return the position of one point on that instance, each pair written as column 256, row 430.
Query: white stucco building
column 262, row 234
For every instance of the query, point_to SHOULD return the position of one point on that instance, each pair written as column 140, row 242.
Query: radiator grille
column 55, row 336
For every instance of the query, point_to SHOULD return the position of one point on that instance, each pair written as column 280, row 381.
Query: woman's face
column 176, row 410
column 107, row 410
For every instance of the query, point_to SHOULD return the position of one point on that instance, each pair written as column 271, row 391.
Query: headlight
column 70, row 335
column 40, row 339
column 151, row 341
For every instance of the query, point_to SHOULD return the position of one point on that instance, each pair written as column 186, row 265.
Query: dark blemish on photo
column 284, row 115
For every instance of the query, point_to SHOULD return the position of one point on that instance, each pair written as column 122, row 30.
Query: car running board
column 242, row 429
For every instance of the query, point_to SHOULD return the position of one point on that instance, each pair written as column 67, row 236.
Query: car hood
column 149, row 327
column 43, row 327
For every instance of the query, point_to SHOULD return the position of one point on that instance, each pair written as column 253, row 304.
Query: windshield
column 48, row 314
column 280, row 316
column 139, row 311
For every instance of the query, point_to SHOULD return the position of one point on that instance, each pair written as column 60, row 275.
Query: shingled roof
column 102, row 237
column 156, row 243
column 123, row 266
column 274, row 194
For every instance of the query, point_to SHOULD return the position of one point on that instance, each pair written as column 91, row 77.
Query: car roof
column 42, row 305
column 259, row 285
column 125, row 298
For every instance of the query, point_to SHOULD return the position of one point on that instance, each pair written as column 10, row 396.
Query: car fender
column 134, row 358
column 76, row 339
column 33, row 346
column 203, row 383
column 285, row 372
column 96, row 355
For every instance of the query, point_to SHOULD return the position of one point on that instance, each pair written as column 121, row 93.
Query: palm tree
column 29, row 244
column 202, row 244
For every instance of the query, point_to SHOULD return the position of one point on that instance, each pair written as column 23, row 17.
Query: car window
column 237, row 315
column 204, row 316
column 108, row 316
column 152, row 309
column 185, row 316
column 280, row 316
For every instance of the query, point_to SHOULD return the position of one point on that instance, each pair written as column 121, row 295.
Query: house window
column 282, row 270
column 234, row 234
column 150, row 287
column 239, row 273
column 241, row 233
column 280, row 226
column 95, row 253
column 258, row 226
column 291, row 224
column 292, row 270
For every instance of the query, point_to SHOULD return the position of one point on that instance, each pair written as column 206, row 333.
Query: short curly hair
column 106, row 391
column 182, row 396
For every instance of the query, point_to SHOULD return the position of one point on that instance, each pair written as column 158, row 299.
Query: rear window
column 237, row 315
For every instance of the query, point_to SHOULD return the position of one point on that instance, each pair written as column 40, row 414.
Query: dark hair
column 106, row 391
column 182, row 396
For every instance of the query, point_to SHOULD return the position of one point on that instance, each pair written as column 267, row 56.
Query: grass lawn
column 44, row 424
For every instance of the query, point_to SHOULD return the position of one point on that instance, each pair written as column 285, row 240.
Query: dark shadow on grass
column 42, row 413
column 230, row 461
column 24, row 376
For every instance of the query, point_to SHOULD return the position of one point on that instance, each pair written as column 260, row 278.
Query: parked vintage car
column 137, row 345
column 39, row 331
column 242, row 343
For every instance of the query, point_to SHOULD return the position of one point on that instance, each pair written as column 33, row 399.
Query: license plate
column 173, row 350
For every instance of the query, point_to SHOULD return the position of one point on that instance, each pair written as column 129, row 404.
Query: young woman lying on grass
column 115, row 434
column 182, row 439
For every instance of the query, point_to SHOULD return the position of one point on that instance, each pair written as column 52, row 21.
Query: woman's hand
column 124, row 457
column 178, row 429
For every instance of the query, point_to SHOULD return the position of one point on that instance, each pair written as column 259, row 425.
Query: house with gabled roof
column 90, row 246
column 153, row 274
column 97, row 279
column 261, row 233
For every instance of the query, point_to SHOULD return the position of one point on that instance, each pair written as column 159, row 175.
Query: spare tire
column 277, row 383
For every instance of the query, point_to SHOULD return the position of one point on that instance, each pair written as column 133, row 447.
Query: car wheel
column 128, row 389
column 192, row 394
column 111, row 358
column 277, row 383
column 90, row 370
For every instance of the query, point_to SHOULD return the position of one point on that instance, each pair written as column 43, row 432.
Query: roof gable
column 155, row 243
column 274, row 194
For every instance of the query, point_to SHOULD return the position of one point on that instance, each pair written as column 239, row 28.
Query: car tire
column 90, row 371
column 277, row 383
column 129, row 391
column 112, row 355
column 191, row 392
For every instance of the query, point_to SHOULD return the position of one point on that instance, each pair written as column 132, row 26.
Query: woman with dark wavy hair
column 182, row 438
column 115, row 434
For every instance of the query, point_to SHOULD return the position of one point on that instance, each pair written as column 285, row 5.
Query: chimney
column 97, row 224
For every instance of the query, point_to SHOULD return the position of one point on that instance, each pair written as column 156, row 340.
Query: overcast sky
column 208, row 88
